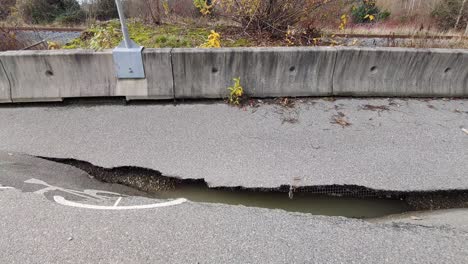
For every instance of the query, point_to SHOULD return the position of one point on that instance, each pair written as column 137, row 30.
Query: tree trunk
column 153, row 9
column 460, row 14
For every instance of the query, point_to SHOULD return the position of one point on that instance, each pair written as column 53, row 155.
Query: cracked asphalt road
column 34, row 229
column 414, row 145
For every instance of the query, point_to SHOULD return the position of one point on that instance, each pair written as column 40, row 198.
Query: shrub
column 8, row 40
column 47, row 11
column 270, row 15
column 367, row 11
column 327, row 14
column 276, row 16
column 71, row 18
column 106, row 9
column 204, row 6
column 446, row 14
column 6, row 6
column 150, row 11
column 73, row 14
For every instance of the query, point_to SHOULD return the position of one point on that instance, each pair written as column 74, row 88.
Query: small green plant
column 367, row 12
column 104, row 38
column 235, row 92
column 343, row 22
column 204, row 6
column 214, row 40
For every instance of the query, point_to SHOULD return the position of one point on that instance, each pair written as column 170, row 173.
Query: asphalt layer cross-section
column 387, row 144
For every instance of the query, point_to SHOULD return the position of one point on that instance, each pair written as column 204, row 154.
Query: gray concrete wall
column 264, row 72
column 158, row 69
column 5, row 96
column 401, row 72
column 53, row 75
column 158, row 83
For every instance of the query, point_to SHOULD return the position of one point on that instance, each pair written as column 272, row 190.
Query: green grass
column 108, row 35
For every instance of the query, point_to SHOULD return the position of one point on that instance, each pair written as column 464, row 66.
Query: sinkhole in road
column 299, row 201
column 333, row 200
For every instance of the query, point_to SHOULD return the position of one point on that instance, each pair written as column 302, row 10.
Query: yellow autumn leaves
column 235, row 92
column 214, row 40
column 370, row 17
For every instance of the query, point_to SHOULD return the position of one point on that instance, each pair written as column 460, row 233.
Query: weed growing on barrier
column 235, row 92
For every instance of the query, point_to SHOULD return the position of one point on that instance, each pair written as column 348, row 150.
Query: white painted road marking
column 118, row 201
column 63, row 201
column 86, row 194
column 95, row 195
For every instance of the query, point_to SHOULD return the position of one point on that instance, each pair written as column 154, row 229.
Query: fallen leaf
column 375, row 107
column 340, row 120
column 329, row 99
column 465, row 130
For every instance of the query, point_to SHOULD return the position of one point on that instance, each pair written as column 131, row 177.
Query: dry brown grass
column 455, row 43
column 385, row 29
column 410, row 13
column 8, row 40
column 409, row 7
column 408, row 17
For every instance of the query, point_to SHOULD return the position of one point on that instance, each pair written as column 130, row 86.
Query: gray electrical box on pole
column 128, row 60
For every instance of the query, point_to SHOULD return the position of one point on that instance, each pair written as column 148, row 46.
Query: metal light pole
column 128, row 60
column 123, row 23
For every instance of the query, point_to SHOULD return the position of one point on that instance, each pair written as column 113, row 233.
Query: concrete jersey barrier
column 401, row 72
column 5, row 96
column 54, row 75
column 264, row 72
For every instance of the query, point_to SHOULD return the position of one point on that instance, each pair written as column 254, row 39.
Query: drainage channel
column 347, row 201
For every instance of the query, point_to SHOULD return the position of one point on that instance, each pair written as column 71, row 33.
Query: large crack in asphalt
column 154, row 182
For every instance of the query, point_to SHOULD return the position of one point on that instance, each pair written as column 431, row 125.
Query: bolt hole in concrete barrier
column 214, row 70
column 49, row 73
column 347, row 201
column 447, row 70
column 373, row 69
column 292, row 68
